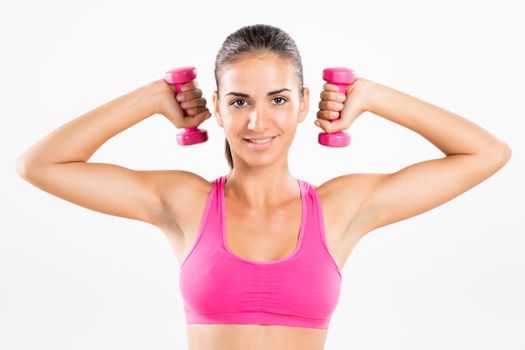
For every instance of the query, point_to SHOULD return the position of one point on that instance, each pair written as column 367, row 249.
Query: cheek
column 287, row 114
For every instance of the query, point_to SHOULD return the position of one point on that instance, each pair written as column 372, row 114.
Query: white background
column 451, row 278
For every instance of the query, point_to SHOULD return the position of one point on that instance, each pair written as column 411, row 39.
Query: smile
column 261, row 143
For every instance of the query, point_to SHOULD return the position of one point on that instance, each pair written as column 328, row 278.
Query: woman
column 261, row 252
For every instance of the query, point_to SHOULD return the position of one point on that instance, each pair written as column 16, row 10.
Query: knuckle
column 185, row 95
column 190, row 97
column 191, row 86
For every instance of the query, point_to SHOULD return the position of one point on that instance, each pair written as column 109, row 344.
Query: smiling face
column 259, row 97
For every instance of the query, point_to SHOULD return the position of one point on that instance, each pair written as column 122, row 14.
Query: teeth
column 260, row 141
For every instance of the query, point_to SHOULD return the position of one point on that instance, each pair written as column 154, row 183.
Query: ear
column 216, row 109
column 305, row 101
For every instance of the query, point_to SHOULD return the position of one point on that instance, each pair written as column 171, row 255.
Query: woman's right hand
column 172, row 104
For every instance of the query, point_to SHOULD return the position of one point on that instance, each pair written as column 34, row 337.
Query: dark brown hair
column 256, row 39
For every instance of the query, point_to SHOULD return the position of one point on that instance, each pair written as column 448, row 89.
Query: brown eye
column 284, row 100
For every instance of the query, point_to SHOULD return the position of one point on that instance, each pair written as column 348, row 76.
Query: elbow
column 501, row 154
column 505, row 153
column 22, row 166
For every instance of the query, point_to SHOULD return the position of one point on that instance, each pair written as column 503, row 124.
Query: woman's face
column 259, row 97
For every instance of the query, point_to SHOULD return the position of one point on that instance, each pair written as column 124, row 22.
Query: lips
column 260, row 144
column 259, row 137
column 260, row 140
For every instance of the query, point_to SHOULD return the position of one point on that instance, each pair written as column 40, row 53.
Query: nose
column 258, row 119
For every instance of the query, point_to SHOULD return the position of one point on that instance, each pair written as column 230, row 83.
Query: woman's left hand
column 334, row 105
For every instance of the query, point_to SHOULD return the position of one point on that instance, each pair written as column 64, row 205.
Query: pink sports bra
column 299, row 290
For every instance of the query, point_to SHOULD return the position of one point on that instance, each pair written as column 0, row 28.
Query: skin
column 260, row 180
column 260, row 191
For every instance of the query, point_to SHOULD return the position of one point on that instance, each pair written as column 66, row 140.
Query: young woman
column 261, row 252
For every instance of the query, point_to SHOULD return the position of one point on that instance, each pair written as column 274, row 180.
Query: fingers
column 330, row 107
column 196, row 102
column 330, row 87
column 333, row 96
column 202, row 116
column 329, row 126
column 188, row 95
column 327, row 115
column 195, row 120
column 197, row 110
column 191, row 100
column 352, row 109
column 191, row 85
column 331, row 102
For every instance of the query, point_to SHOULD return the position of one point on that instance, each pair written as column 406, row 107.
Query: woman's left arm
column 472, row 155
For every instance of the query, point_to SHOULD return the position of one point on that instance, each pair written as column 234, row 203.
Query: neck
column 261, row 188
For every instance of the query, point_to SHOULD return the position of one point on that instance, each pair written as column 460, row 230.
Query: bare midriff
column 254, row 337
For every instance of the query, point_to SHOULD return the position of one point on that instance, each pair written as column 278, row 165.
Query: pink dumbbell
column 178, row 77
column 342, row 77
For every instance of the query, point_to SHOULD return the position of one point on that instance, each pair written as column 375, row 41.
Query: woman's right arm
column 58, row 163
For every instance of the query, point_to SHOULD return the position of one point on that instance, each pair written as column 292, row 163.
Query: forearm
column 449, row 132
column 79, row 138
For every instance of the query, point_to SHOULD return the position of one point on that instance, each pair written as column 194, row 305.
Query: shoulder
column 344, row 198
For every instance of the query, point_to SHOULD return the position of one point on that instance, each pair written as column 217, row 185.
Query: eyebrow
column 240, row 94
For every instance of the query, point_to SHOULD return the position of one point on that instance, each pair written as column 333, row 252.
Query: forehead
column 258, row 74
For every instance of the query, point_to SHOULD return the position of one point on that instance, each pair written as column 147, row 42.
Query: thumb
column 329, row 126
column 347, row 115
column 201, row 117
